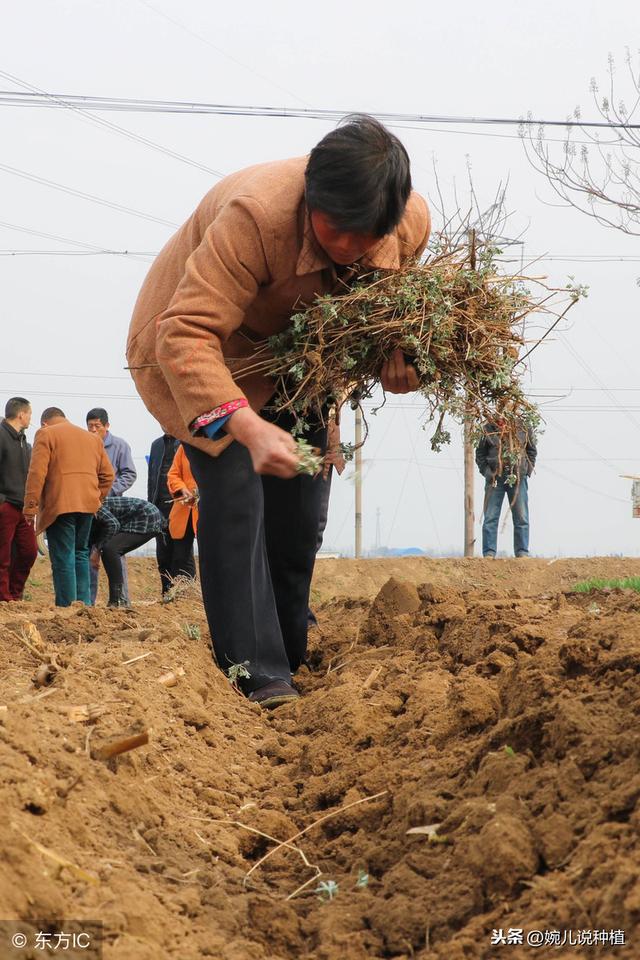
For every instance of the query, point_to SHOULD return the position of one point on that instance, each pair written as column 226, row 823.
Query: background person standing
column 18, row 547
column 161, row 455
column 69, row 476
column 505, row 478
column 119, row 453
column 183, row 519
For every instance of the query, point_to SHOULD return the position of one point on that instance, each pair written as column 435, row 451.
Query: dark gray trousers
column 257, row 539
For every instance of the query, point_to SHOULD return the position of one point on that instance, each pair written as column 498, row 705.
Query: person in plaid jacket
column 122, row 524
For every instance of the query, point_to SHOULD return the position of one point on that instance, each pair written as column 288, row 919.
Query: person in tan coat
column 183, row 519
column 69, row 476
column 262, row 242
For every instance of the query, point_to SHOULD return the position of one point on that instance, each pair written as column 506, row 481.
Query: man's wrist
column 243, row 424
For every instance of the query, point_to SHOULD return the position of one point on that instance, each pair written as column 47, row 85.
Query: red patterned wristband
column 224, row 410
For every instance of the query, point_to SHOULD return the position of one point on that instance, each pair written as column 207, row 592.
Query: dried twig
column 373, row 676
column 138, row 836
column 122, row 746
column 38, row 696
column 301, row 833
column 52, row 855
column 135, row 659
column 32, row 640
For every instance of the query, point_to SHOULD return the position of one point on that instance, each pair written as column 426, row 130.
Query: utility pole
column 469, row 517
column 358, row 482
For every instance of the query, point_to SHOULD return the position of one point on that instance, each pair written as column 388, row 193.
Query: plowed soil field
column 465, row 759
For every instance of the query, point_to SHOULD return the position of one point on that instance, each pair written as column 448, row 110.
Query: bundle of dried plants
column 455, row 317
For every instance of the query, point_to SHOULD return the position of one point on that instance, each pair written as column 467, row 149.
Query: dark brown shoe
column 274, row 694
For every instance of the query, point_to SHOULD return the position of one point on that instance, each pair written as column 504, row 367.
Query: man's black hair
column 50, row 413
column 359, row 175
column 98, row 413
column 14, row 406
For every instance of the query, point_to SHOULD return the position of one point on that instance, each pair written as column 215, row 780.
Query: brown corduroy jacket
column 230, row 277
column 70, row 472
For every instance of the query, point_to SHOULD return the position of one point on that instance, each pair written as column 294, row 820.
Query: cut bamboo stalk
column 121, row 746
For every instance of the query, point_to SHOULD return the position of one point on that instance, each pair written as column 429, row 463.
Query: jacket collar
column 16, row 434
column 385, row 255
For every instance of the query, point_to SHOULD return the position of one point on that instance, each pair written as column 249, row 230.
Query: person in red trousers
column 18, row 547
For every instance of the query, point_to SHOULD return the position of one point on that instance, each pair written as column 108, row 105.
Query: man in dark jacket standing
column 163, row 450
column 18, row 548
column 506, row 472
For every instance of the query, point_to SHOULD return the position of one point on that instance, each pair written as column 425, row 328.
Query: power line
column 422, row 483
column 584, row 486
column 34, row 178
column 76, row 253
column 52, row 236
column 397, row 405
column 48, row 236
column 585, row 258
column 454, row 469
column 205, row 40
column 66, row 376
column 48, row 99
column 67, row 393
column 579, row 258
column 590, row 389
column 593, row 376
column 499, row 136
column 141, row 105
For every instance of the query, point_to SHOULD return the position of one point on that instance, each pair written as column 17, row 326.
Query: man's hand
column 397, row 375
column 183, row 496
column 273, row 451
column 490, row 477
column 30, row 519
column 94, row 558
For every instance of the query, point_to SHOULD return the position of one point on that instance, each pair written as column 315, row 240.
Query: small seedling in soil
column 309, row 459
column 326, row 890
column 363, row 879
column 192, row 631
column 510, row 752
column 238, row 671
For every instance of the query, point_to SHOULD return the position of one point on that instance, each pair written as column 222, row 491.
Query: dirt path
column 363, row 578
column 497, row 719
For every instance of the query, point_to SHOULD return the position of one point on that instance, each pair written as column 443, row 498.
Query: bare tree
column 596, row 169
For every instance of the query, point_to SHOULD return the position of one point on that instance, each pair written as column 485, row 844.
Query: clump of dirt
column 461, row 760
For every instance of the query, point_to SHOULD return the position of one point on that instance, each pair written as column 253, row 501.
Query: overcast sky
column 64, row 318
